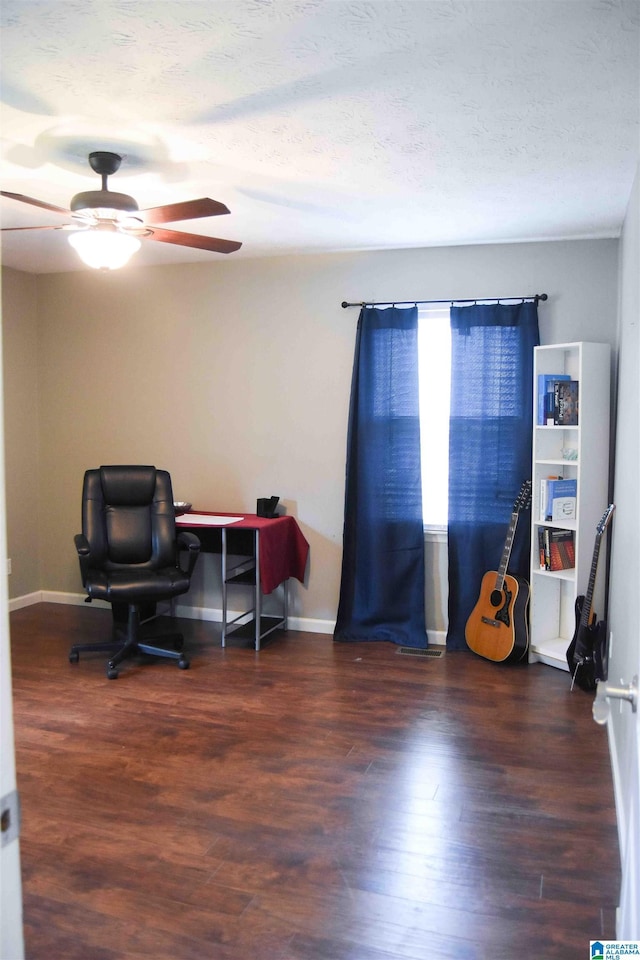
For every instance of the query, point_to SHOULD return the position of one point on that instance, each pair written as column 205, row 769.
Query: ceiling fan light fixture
column 111, row 224
column 104, row 249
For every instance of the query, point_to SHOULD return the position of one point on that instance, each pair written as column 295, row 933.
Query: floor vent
column 421, row 652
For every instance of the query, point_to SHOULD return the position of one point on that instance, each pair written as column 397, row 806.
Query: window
column 434, row 350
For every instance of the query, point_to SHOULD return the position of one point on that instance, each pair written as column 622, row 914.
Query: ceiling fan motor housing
column 104, row 164
column 103, row 200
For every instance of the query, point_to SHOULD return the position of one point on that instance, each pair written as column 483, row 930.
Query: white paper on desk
column 205, row 520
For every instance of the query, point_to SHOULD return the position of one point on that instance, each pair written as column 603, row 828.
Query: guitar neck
column 585, row 616
column 506, row 553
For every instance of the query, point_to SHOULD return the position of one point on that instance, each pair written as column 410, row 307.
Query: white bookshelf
column 554, row 593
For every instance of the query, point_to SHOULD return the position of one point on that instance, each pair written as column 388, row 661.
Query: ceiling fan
column 107, row 227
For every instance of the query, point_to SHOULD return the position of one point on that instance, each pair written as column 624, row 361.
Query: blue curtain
column 382, row 587
column 489, row 446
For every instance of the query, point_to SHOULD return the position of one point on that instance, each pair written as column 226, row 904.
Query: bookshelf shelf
column 552, row 525
column 554, row 592
column 569, row 574
column 553, row 652
column 555, row 426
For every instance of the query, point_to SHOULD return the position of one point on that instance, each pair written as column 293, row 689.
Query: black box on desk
column 266, row 507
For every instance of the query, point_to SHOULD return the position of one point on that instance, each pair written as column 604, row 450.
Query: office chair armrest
column 188, row 541
column 84, row 553
column 82, row 545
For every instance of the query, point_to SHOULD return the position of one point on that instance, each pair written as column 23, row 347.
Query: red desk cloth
column 283, row 548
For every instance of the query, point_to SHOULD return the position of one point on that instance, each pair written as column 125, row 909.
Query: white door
column 628, row 926
column 11, row 935
column 616, row 704
column 624, row 659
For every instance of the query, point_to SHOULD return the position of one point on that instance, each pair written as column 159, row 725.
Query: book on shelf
column 556, row 549
column 565, row 406
column 562, row 554
column 563, row 508
column 543, row 547
column 544, row 513
column 546, row 397
column 558, row 498
column 563, row 495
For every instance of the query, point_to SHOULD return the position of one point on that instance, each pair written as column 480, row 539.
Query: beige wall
column 20, row 373
column 235, row 376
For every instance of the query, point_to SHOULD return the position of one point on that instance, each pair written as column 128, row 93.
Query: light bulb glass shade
column 104, row 249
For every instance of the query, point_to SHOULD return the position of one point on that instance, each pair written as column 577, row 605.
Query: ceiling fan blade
column 13, row 229
column 193, row 240
column 186, row 210
column 35, row 203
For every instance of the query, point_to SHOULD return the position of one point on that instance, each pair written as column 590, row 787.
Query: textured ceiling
column 324, row 125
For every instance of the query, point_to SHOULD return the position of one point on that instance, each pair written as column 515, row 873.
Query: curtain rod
column 404, row 303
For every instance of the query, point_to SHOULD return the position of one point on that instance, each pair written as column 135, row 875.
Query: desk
column 273, row 550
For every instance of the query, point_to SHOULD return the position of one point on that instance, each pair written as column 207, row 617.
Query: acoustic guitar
column 585, row 653
column 498, row 627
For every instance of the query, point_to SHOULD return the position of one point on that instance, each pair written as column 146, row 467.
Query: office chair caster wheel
column 74, row 656
column 183, row 664
column 112, row 673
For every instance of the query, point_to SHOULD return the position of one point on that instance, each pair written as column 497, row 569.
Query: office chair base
column 113, row 672
column 131, row 648
column 128, row 645
column 78, row 648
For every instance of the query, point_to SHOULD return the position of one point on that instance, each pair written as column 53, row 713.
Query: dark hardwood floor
column 315, row 801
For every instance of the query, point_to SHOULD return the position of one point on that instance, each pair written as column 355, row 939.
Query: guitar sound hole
column 496, row 598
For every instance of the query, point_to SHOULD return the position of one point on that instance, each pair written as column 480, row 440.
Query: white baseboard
column 25, row 601
column 72, row 599
column 212, row 614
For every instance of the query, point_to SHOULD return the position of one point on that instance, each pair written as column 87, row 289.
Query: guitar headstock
column 523, row 500
column 606, row 517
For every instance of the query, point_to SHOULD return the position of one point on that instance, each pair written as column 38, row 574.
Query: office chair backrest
column 128, row 517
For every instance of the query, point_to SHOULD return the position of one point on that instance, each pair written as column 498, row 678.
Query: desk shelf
column 247, row 579
column 245, row 574
column 245, row 633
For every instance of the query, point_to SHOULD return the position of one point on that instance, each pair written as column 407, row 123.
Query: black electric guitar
column 585, row 653
column 498, row 627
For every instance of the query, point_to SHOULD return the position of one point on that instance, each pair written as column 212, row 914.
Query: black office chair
column 130, row 556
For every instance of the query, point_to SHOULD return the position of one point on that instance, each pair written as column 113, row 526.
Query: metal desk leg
column 224, row 585
column 285, row 605
column 258, row 598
